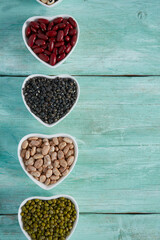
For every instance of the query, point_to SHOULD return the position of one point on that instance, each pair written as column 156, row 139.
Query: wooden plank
column 101, row 182
column 96, row 226
column 117, row 37
column 116, row 124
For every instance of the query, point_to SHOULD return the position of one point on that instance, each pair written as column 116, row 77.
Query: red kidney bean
column 51, row 33
column 34, row 30
column 55, row 28
column 65, row 21
column 60, row 36
column 28, row 31
column 68, row 48
column 34, row 46
column 59, row 44
column 42, row 20
column 55, row 51
column 40, row 31
column 52, row 39
column 61, row 57
column 51, row 46
column 44, row 46
column 74, row 40
column 38, row 50
column 34, row 24
column 44, row 57
column 72, row 32
column 72, row 22
column 40, row 42
column 70, row 26
column 61, row 25
column 43, row 26
column 42, row 36
column 50, row 25
column 58, row 20
column 62, row 49
column 66, row 31
column 47, row 52
column 53, row 59
column 31, row 40
column 67, row 38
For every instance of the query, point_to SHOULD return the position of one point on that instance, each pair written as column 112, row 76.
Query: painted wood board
column 116, row 122
column 117, row 37
column 118, row 167
column 96, row 226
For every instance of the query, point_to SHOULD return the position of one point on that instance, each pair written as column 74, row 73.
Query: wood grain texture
column 101, row 227
column 116, row 124
column 117, row 37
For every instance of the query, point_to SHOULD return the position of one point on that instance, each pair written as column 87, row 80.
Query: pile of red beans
column 52, row 40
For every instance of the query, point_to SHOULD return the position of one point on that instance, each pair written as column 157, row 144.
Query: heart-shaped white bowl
column 43, row 186
column 48, row 198
column 50, row 77
column 49, row 18
column 52, row 5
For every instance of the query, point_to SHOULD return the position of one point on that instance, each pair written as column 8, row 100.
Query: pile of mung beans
column 48, row 160
column 48, row 219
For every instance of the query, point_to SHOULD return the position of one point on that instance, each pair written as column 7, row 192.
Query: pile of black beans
column 50, row 99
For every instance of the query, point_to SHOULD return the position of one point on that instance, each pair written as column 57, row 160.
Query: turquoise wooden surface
column 110, row 227
column 117, row 37
column 116, row 121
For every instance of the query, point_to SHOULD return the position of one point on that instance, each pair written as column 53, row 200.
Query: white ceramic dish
column 43, row 186
column 50, row 77
column 49, row 6
column 49, row 18
column 48, row 198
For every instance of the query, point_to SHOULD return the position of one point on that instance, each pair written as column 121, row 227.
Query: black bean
column 50, row 99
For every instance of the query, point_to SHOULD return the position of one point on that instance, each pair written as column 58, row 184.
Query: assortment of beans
column 50, row 99
column 48, row 219
column 49, row 2
column 51, row 41
column 48, row 160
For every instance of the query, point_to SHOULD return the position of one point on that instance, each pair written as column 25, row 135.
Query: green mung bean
column 48, row 219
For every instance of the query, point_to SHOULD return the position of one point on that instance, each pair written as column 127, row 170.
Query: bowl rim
column 50, row 77
column 49, row 18
column 49, row 6
column 43, row 186
column 48, row 198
